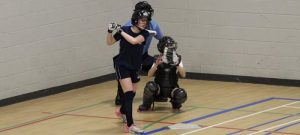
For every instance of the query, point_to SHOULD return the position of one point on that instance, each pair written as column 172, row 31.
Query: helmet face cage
column 171, row 44
column 144, row 5
column 139, row 14
column 168, row 42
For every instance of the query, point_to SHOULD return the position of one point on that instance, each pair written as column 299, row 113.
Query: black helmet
column 144, row 5
column 166, row 41
column 139, row 14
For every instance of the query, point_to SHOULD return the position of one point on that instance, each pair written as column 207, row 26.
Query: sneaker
column 134, row 129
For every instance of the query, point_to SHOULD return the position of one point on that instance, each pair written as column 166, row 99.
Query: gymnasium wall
column 259, row 38
column 48, row 43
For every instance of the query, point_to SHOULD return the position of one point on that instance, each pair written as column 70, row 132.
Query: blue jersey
column 130, row 56
column 152, row 26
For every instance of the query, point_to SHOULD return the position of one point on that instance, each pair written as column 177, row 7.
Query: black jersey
column 130, row 56
column 166, row 75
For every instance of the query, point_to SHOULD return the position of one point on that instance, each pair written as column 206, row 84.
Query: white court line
column 274, row 127
column 238, row 118
column 296, row 107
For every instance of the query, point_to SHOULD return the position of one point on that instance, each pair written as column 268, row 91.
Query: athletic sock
column 128, row 100
column 122, row 108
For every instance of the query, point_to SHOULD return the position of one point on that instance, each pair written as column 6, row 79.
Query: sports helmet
column 166, row 41
column 144, row 5
column 139, row 14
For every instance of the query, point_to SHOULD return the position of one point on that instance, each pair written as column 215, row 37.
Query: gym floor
column 212, row 108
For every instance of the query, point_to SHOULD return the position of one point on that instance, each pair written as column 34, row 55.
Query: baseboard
column 109, row 77
column 55, row 90
column 243, row 79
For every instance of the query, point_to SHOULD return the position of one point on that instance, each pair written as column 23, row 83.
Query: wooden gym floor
column 212, row 108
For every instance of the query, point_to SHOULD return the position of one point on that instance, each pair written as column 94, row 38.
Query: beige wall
column 47, row 43
column 235, row 37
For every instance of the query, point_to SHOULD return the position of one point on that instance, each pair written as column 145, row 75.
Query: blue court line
column 220, row 112
column 283, row 128
column 227, row 110
column 211, row 115
column 263, row 124
column 286, row 98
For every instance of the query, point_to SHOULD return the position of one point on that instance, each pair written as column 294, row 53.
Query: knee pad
column 178, row 95
column 151, row 89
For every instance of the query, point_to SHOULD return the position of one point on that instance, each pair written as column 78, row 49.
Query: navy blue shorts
column 122, row 73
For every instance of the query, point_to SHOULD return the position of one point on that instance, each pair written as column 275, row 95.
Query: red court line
column 30, row 123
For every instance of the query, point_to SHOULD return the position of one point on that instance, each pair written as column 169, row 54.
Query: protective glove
column 111, row 27
column 171, row 57
column 119, row 28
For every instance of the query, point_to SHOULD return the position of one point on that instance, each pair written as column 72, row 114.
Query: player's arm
column 128, row 23
column 181, row 70
column 153, row 69
column 133, row 40
column 110, row 40
column 159, row 34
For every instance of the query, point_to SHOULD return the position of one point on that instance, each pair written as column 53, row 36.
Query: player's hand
column 119, row 28
column 111, row 27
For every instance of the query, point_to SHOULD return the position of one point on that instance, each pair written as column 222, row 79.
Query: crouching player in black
column 167, row 67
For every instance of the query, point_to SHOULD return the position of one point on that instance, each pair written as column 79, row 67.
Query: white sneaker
column 134, row 129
